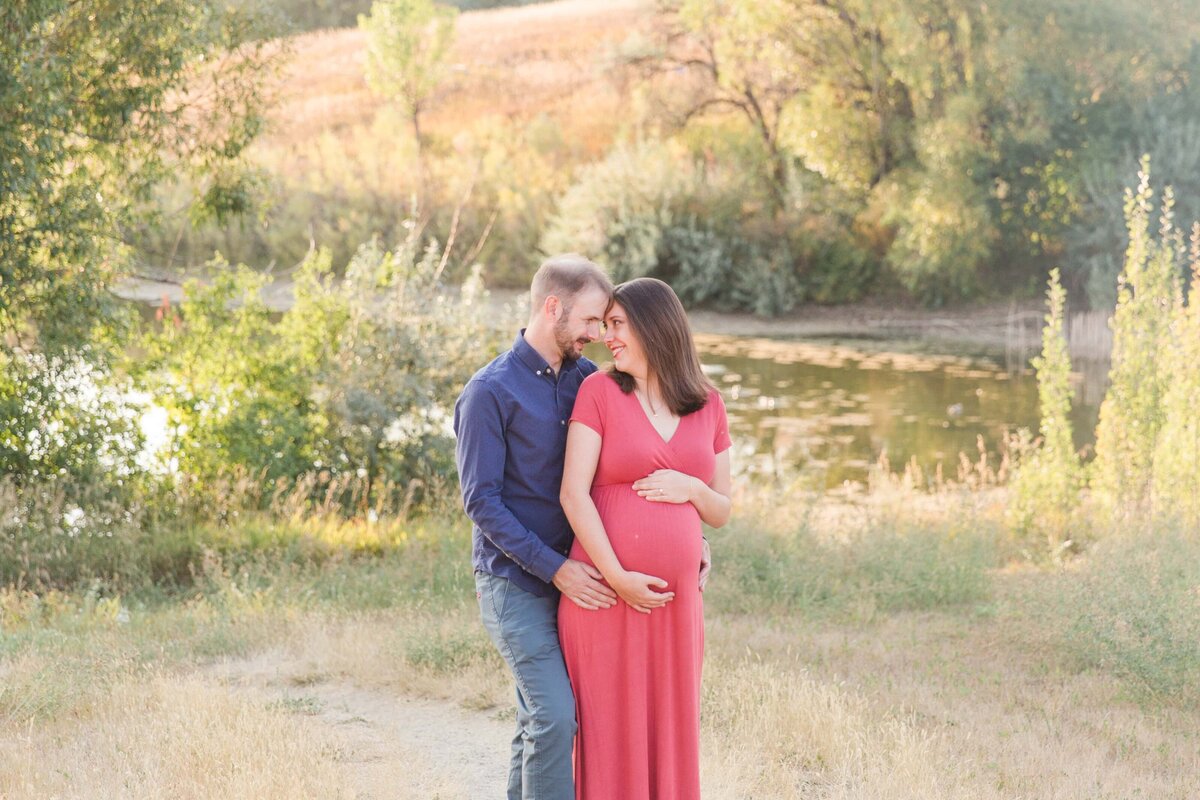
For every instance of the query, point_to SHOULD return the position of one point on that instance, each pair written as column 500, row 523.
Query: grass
column 877, row 651
column 530, row 96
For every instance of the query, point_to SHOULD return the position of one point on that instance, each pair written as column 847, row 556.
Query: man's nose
column 593, row 331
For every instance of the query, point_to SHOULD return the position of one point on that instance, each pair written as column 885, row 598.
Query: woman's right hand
column 638, row 591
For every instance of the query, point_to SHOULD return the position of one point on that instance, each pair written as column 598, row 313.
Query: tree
column 98, row 101
column 957, row 128
column 723, row 55
column 407, row 44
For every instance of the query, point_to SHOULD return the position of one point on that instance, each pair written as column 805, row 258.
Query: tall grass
column 1133, row 610
column 882, row 567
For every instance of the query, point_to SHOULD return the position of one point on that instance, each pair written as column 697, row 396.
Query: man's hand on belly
column 581, row 584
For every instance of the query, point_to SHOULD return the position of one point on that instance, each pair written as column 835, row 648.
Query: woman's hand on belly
column 638, row 590
column 667, row 486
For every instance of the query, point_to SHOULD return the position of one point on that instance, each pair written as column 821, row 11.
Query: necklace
column 646, row 396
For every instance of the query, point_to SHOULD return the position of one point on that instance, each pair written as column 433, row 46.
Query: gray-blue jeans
column 524, row 628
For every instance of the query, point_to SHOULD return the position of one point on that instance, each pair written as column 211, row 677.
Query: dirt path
column 390, row 746
column 998, row 328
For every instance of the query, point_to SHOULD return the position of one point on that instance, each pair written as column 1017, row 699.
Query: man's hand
column 580, row 583
column 705, row 563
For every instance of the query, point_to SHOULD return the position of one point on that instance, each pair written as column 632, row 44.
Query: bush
column 1176, row 487
column 1133, row 610
column 653, row 208
column 234, row 395
column 619, row 209
column 354, row 379
column 1131, row 415
column 1045, row 487
column 1164, row 126
column 63, row 419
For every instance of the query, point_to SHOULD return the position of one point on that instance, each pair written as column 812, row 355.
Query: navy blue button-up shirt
column 511, row 423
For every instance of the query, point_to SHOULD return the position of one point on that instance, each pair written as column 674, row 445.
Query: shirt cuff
column 547, row 564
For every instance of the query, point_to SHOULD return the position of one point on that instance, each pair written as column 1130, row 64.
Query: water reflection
column 828, row 409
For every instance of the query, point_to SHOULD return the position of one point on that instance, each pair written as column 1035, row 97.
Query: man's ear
column 552, row 308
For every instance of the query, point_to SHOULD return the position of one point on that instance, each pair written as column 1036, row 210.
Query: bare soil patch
column 390, row 745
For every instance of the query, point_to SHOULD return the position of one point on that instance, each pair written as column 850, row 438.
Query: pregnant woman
column 647, row 460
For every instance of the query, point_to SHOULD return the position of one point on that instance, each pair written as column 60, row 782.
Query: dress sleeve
column 721, row 440
column 590, row 403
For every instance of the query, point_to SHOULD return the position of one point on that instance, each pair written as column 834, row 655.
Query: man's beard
column 564, row 342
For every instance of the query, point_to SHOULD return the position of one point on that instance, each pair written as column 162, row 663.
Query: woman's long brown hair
column 658, row 320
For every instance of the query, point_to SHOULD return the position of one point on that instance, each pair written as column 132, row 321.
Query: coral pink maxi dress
column 637, row 676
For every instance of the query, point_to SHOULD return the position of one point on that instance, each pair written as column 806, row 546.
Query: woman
column 647, row 460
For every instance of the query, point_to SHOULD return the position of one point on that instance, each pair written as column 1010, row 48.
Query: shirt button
column 562, row 422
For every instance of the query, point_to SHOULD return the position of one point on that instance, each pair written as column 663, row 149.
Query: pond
column 827, row 410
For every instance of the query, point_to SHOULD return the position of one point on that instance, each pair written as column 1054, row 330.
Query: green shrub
column 1131, row 415
column 354, row 379
column 834, row 267
column 619, row 208
column 1045, row 486
column 653, row 208
column 1176, row 488
column 234, row 395
column 1133, row 610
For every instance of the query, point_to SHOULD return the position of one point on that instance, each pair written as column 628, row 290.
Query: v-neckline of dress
column 641, row 409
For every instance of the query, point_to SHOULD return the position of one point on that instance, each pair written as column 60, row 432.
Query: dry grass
column 170, row 737
column 964, row 708
column 514, row 63
column 852, row 688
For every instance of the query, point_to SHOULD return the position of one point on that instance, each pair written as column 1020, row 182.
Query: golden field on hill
column 515, row 63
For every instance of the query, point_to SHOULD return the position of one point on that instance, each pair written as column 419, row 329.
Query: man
column 511, row 423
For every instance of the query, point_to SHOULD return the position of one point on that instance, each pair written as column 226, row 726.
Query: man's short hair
column 565, row 276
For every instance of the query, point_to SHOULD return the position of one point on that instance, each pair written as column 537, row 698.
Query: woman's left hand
column 666, row 486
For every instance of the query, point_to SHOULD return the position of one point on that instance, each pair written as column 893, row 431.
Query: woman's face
column 623, row 343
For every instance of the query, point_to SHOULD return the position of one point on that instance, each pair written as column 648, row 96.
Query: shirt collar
column 533, row 359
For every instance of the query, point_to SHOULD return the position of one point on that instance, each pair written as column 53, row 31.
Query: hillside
column 513, row 62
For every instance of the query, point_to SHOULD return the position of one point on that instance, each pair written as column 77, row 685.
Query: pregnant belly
column 659, row 539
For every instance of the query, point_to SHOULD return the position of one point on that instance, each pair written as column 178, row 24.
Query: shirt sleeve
column 590, row 404
column 481, row 453
column 721, row 440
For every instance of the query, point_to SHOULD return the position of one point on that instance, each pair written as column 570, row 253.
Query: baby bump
column 659, row 539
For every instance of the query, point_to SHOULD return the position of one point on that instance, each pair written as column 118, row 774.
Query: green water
column 828, row 410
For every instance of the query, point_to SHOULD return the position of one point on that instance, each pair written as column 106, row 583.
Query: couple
column 592, row 484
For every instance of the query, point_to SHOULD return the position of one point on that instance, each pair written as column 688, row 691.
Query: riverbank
column 1002, row 330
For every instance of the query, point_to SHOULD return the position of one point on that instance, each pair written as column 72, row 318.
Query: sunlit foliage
column 1046, row 485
